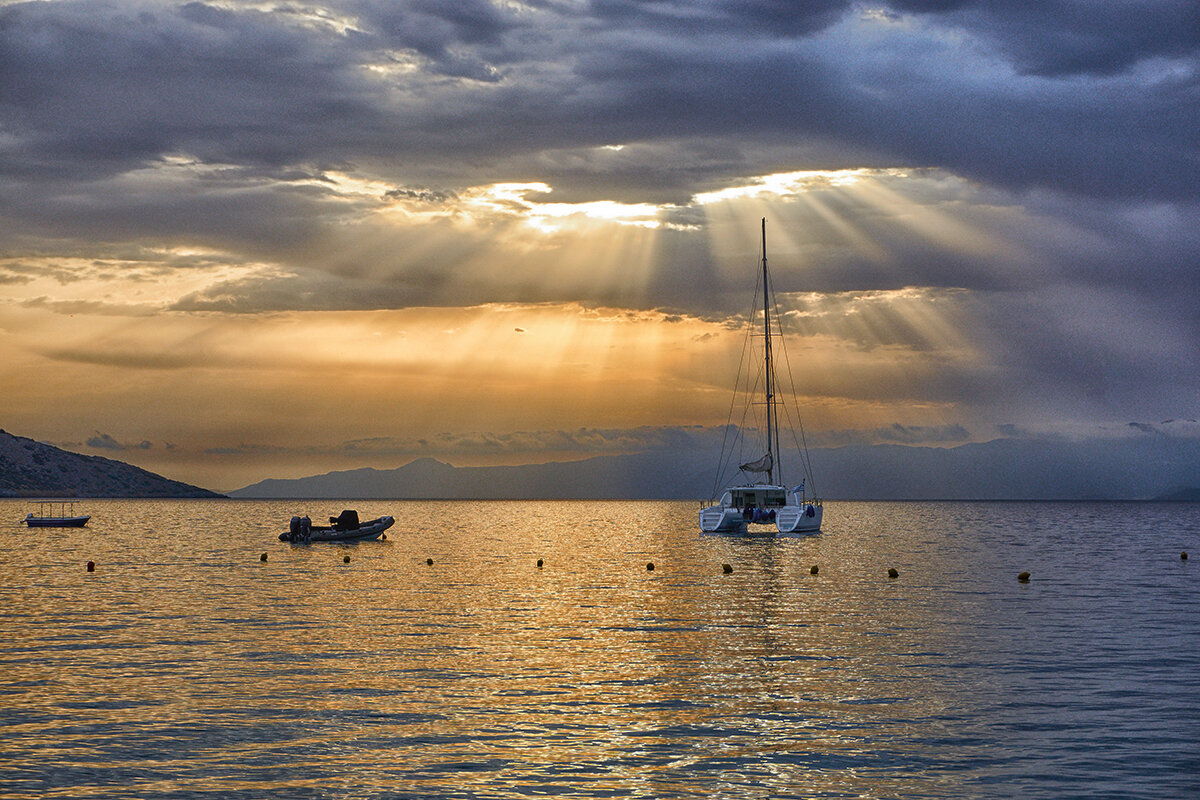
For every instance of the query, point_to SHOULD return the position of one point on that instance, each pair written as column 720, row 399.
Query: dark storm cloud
column 1069, row 37
column 675, row 17
column 454, row 37
column 91, row 90
column 94, row 89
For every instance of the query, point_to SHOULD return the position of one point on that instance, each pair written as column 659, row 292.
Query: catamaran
column 762, row 497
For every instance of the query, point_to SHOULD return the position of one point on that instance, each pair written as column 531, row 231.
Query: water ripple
column 187, row 667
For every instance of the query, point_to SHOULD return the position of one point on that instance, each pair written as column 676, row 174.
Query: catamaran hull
column 798, row 519
column 788, row 519
column 716, row 519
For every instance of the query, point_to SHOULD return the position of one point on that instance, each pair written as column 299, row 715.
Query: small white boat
column 46, row 518
column 755, row 501
column 343, row 528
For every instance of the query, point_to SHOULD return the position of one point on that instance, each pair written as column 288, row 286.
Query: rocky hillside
column 33, row 469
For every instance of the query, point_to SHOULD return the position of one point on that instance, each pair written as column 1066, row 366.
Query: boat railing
column 63, row 506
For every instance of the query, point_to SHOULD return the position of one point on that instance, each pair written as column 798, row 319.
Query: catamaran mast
column 771, row 435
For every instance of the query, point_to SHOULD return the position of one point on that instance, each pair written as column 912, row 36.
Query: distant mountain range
column 1131, row 468
column 603, row 477
column 1152, row 467
column 33, row 469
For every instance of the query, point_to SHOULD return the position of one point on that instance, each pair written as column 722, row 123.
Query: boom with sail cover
column 764, row 464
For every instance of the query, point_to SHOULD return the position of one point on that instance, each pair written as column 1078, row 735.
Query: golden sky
column 339, row 237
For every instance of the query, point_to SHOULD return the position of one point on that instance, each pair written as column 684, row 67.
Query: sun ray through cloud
column 975, row 222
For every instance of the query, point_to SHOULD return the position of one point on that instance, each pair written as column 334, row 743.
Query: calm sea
column 185, row 666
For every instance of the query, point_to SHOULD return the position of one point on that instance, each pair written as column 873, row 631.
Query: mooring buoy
column 429, row 561
column 893, row 573
column 345, row 559
column 1023, row 577
column 814, row 570
column 1183, row 556
column 539, row 563
column 727, row 568
column 649, row 566
column 91, row 567
column 263, row 557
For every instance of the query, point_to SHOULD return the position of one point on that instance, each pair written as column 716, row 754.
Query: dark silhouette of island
column 34, row 469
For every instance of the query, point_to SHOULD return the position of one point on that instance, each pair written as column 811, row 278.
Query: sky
column 252, row 240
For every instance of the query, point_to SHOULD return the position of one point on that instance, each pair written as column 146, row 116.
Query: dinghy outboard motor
column 293, row 531
column 299, row 529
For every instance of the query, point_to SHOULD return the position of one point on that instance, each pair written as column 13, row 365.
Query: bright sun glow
column 784, row 184
column 515, row 198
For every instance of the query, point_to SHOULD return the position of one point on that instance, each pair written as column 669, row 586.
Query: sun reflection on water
column 186, row 664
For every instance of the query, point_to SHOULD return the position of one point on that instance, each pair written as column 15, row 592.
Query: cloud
column 571, row 444
column 1071, row 38
column 581, row 441
column 923, row 434
column 690, row 441
column 1175, row 428
column 434, row 83
column 896, row 433
column 136, row 358
column 271, row 290
column 248, row 450
column 92, row 307
column 103, row 441
column 422, row 195
column 986, row 208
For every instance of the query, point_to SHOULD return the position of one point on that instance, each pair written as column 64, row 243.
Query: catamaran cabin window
column 762, row 498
